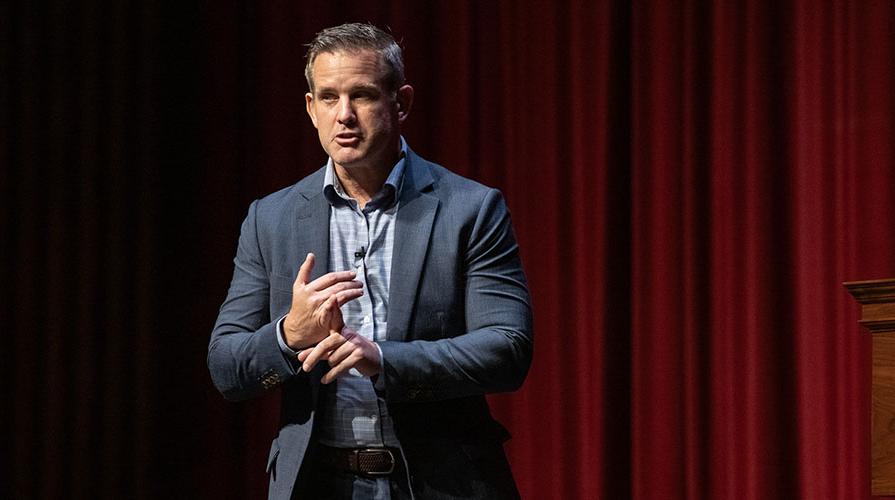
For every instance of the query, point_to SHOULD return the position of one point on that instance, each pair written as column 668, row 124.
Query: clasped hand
column 315, row 318
column 344, row 350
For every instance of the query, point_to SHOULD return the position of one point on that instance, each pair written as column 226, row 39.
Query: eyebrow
column 363, row 86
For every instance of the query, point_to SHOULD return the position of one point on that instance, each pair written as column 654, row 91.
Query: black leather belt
column 369, row 462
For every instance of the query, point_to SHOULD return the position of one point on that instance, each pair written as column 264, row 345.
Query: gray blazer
column 459, row 327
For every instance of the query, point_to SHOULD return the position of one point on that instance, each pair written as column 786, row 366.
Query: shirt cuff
column 281, row 339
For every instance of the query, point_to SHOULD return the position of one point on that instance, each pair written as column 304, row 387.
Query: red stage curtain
column 690, row 183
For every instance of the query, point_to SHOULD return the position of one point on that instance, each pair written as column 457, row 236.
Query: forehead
column 344, row 67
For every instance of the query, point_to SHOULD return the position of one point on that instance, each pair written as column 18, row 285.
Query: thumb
column 304, row 272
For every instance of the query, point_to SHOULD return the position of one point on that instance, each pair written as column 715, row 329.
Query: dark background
column 690, row 183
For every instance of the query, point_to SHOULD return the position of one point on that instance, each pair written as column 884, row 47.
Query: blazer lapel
column 310, row 233
column 310, row 226
column 416, row 214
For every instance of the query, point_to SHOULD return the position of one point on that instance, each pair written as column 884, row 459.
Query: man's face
column 357, row 118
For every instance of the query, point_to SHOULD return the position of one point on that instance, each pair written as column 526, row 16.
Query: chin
column 342, row 155
column 349, row 161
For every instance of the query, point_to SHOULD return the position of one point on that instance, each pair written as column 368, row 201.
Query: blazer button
column 270, row 379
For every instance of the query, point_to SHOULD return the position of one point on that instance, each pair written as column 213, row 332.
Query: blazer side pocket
column 272, row 459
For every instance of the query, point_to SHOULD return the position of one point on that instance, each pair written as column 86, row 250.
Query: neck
column 361, row 183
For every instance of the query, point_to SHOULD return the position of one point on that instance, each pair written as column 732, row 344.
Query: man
column 383, row 295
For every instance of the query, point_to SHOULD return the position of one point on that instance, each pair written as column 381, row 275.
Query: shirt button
column 366, row 319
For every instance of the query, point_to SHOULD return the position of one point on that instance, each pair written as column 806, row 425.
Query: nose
column 345, row 113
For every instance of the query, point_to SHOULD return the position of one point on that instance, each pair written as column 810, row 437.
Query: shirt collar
column 387, row 196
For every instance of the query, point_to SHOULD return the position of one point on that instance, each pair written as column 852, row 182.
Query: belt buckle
column 374, row 452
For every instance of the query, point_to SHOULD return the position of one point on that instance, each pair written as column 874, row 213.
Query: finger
column 313, row 355
column 321, row 298
column 337, row 371
column 341, row 286
column 330, row 279
column 304, row 272
column 336, row 323
column 322, row 350
column 329, row 304
column 339, row 355
column 329, row 315
column 346, row 296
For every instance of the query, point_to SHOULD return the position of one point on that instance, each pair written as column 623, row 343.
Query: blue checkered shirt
column 362, row 239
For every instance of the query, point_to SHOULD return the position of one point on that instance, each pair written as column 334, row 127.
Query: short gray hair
column 354, row 37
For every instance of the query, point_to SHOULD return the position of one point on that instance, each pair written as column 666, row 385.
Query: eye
column 328, row 98
column 364, row 95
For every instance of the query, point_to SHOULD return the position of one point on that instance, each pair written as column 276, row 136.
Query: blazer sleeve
column 495, row 352
column 244, row 356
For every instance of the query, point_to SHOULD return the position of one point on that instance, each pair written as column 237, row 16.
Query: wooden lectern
column 877, row 300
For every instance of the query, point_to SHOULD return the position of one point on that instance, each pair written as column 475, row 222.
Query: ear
column 404, row 101
column 309, row 100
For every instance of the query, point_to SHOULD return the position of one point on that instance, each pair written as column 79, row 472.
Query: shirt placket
column 366, row 300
